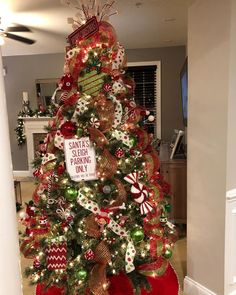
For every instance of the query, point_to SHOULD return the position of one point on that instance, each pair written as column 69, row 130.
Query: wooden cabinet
column 175, row 173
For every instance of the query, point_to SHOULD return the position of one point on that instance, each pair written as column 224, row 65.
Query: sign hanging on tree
column 80, row 159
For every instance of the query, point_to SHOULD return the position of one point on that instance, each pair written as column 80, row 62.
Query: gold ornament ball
column 64, row 181
column 49, row 166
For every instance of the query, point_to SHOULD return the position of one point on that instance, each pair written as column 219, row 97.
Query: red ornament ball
column 60, row 169
column 68, row 129
column 119, row 153
column 66, row 82
column 89, row 254
column 37, row 263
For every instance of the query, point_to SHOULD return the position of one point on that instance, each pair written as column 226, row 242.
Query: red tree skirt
column 120, row 285
column 164, row 285
column 51, row 291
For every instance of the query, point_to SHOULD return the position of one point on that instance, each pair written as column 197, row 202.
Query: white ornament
column 151, row 118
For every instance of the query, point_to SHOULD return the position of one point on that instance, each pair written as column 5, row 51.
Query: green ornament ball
column 81, row 274
column 137, row 235
column 79, row 132
column 168, row 208
column 71, row 193
column 168, row 253
column 133, row 140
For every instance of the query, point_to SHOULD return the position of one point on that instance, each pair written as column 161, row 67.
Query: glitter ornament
column 137, row 235
column 89, row 254
column 60, row 169
column 106, row 189
column 68, row 129
column 71, row 193
column 119, row 153
column 168, row 208
column 81, row 274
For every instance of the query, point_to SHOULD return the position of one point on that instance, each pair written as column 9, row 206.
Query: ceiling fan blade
column 19, row 38
column 17, row 29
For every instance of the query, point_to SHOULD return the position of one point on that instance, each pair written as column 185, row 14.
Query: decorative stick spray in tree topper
column 99, row 189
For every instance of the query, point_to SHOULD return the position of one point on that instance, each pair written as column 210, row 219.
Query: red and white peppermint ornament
column 89, row 254
column 139, row 193
column 107, row 87
column 119, row 153
column 94, row 122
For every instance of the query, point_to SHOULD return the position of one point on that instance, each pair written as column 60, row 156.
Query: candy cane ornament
column 139, row 193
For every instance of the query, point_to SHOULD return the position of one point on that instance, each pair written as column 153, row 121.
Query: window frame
column 158, row 90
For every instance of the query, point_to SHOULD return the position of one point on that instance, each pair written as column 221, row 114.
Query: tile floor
column 178, row 261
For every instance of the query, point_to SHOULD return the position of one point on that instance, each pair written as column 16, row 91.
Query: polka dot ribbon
column 118, row 111
column 122, row 136
column 81, row 107
column 115, row 227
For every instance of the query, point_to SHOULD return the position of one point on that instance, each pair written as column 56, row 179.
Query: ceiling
column 139, row 24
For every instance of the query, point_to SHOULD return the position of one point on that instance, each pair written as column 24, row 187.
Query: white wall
column 209, row 78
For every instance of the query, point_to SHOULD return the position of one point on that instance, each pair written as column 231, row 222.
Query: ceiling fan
column 7, row 33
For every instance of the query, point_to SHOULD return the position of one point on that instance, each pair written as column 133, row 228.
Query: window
column 147, row 77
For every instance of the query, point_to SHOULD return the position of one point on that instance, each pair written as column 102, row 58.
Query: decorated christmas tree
column 98, row 222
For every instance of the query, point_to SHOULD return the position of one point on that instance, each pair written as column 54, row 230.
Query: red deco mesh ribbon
column 106, row 112
column 98, row 283
column 97, row 137
column 155, row 232
column 107, row 166
column 143, row 138
column 56, row 255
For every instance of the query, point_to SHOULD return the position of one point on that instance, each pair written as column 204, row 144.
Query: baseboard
column 21, row 173
column 193, row 288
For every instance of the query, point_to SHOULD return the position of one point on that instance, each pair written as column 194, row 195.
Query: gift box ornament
column 91, row 83
column 56, row 255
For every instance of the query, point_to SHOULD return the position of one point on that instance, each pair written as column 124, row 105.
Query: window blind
column 145, row 90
